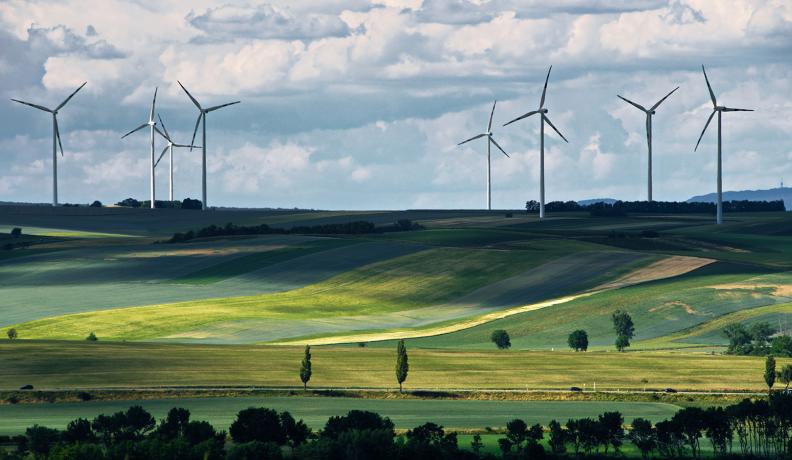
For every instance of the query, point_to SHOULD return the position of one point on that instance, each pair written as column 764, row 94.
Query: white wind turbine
column 152, row 128
column 649, row 113
column 543, row 111
column 717, row 109
column 202, row 120
column 56, row 139
column 490, row 141
column 169, row 149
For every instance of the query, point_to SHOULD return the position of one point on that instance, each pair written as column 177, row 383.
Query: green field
column 71, row 364
column 405, row 414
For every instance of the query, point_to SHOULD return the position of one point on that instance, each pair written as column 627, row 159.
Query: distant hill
column 778, row 193
column 596, row 200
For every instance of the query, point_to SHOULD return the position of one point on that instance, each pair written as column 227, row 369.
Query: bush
column 96, row 204
column 258, row 424
column 255, row 450
column 189, row 203
column 501, row 339
column 16, row 232
column 91, row 337
column 12, row 334
column 129, row 203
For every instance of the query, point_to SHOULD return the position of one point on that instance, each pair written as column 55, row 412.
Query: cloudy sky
column 360, row 105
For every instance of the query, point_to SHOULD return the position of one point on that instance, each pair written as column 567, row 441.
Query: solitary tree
column 402, row 366
column 624, row 327
column 91, row 337
column 501, row 339
column 305, row 367
column 12, row 333
column 785, row 376
column 578, row 340
column 16, row 232
column 770, row 373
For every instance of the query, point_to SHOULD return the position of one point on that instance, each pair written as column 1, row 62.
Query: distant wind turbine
column 202, row 120
column 717, row 109
column 490, row 141
column 56, row 138
column 543, row 111
column 649, row 114
column 169, row 148
column 152, row 128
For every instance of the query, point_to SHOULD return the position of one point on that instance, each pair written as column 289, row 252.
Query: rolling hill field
column 235, row 310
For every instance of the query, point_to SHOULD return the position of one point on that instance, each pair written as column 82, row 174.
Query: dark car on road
column 576, row 389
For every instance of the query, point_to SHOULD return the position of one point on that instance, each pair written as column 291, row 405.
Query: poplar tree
column 402, row 366
column 305, row 367
column 770, row 373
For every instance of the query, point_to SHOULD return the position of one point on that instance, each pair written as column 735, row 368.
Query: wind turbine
column 649, row 114
column 169, row 148
column 490, row 141
column 717, row 109
column 56, row 139
column 202, row 117
column 152, row 128
column 543, row 111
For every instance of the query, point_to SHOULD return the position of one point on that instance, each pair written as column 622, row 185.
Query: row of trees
column 751, row 428
column 757, row 339
column 578, row 340
column 358, row 227
column 402, row 365
column 187, row 203
column 621, row 208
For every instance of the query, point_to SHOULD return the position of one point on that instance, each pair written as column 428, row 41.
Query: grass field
column 315, row 411
column 446, row 278
column 60, row 365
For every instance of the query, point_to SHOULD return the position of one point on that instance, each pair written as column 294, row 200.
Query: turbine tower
column 169, row 149
column 152, row 128
column 717, row 109
column 649, row 114
column 202, row 120
column 56, row 139
column 490, row 141
column 543, row 111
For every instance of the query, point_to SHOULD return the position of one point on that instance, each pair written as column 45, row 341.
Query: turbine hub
column 544, row 110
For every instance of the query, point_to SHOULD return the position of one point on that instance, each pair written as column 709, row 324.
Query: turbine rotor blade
column 40, row 107
column 705, row 129
column 478, row 136
column 185, row 146
column 70, row 96
column 160, row 133
column 153, row 103
column 134, row 130
column 162, row 123
column 712, row 94
column 544, row 91
column 161, row 155
column 554, row 128
column 534, row 112
column 638, row 106
column 489, row 125
column 197, row 122
column 57, row 135
column 212, row 109
column 499, row 147
column 666, row 97
column 189, row 95
column 730, row 109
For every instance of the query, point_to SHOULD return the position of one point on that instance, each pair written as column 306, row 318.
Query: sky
column 360, row 105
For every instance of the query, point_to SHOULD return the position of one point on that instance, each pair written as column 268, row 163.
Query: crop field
column 72, row 364
column 207, row 312
column 315, row 411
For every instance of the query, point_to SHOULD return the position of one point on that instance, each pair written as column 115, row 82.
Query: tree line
column 757, row 339
column 621, row 208
column 187, row 203
column 358, row 227
column 749, row 429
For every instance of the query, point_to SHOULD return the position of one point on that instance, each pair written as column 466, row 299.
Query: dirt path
column 665, row 268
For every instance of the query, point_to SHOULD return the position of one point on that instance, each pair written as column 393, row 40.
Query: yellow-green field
column 62, row 365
